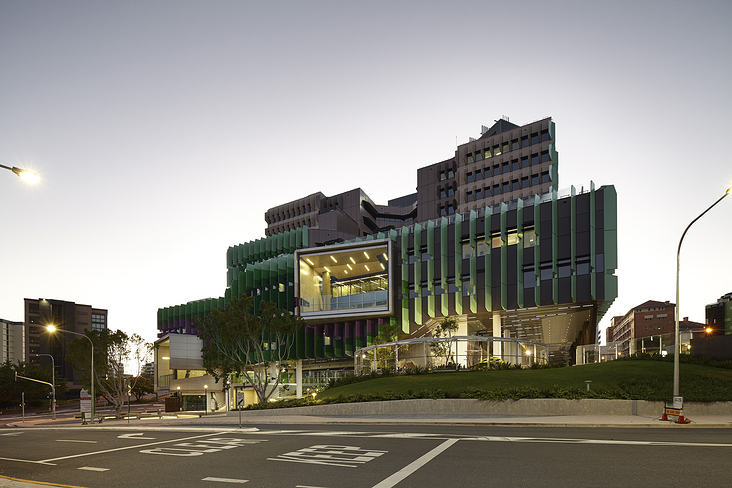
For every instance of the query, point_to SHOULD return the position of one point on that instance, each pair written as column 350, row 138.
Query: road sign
column 239, row 398
column 85, row 402
column 673, row 411
column 678, row 402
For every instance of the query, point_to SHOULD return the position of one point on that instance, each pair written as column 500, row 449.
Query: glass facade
column 345, row 280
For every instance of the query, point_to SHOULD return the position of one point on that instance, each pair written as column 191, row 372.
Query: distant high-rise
column 65, row 315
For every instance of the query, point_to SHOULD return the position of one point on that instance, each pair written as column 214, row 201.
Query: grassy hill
column 626, row 379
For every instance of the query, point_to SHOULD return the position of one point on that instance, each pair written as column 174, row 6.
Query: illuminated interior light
column 349, row 266
column 382, row 265
column 308, row 260
column 366, row 254
column 334, row 259
column 385, row 256
column 345, row 271
column 367, row 268
column 326, row 268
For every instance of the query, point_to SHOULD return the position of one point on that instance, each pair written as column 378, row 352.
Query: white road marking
column 26, row 461
column 92, row 468
column 347, row 456
column 134, row 436
column 76, row 440
column 130, row 447
column 225, row 480
column 414, row 466
column 12, row 433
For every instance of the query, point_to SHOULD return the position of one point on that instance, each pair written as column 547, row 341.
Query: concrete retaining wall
column 540, row 406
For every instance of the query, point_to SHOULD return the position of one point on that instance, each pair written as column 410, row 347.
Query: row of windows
column 513, row 145
column 506, row 187
column 289, row 214
column 506, row 167
column 293, row 225
column 444, row 175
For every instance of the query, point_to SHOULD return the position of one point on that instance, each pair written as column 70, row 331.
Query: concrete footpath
column 527, row 412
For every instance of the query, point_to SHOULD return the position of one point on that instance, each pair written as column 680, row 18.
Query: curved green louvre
column 473, row 224
column 405, row 279
column 537, row 250
column 417, row 300
column 504, row 256
column 488, row 273
column 444, row 267
column 431, row 297
column 458, row 264
column 520, row 253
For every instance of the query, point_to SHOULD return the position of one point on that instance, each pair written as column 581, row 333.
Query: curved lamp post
column 29, row 176
column 677, row 346
column 52, row 329
column 53, row 382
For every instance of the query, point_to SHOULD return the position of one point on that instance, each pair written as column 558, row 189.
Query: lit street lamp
column 677, row 346
column 28, row 176
column 53, row 383
column 52, row 329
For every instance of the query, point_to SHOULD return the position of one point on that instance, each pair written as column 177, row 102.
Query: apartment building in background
column 71, row 316
column 12, row 341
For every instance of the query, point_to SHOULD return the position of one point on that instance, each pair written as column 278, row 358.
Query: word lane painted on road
column 348, row 456
column 201, row 447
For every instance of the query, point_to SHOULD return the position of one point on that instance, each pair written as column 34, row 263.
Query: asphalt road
column 380, row 456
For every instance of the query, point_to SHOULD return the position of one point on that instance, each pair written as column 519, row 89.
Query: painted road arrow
column 133, row 436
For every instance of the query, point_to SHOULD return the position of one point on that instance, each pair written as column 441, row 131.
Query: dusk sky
column 163, row 130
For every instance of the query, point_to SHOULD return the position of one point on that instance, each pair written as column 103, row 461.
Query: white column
column 298, row 377
column 497, row 333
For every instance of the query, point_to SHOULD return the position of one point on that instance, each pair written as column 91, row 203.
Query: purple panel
column 372, row 327
column 338, row 332
column 349, row 329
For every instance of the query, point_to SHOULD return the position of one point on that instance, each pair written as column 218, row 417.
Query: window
column 470, row 159
column 496, row 170
column 545, row 177
column 524, row 141
column 535, row 179
column 529, row 238
column 544, row 135
column 496, row 151
column 506, row 187
column 450, row 191
column 442, row 175
column 496, row 189
column 478, row 175
column 450, row 173
column 487, row 172
column 470, row 196
column 487, row 191
column 545, row 156
column 478, row 156
column 515, row 185
column 478, row 194
column 525, row 162
column 443, row 211
column 505, row 147
column 506, row 168
column 470, row 178
column 535, row 138
column 442, row 193
column 515, row 165
column 514, row 144
column 525, row 182
column 487, row 152
column 450, row 210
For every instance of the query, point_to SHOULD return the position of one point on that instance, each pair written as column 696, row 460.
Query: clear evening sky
column 163, row 130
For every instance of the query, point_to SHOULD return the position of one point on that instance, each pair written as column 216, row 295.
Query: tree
column 142, row 385
column 446, row 328
column 35, row 393
column 235, row 340
column 112, row 350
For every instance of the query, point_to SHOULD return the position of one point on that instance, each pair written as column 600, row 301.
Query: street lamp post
column 677, row 346
column 53, row 384
column 29, row 176
column 52, row 329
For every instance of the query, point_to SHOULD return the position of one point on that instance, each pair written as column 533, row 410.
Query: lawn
column 631, row 379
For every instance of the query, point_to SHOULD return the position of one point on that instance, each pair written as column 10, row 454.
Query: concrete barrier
column 532, row 407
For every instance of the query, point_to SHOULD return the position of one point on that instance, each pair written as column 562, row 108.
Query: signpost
column 85, row 406
column 239, row 403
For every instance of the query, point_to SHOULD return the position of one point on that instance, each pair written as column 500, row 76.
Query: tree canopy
column 236, row 340
column 112, row 351
column 35, row 393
